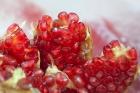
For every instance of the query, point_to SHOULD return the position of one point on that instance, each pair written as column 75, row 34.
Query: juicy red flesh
column 63, row 67
column 15, row 42
column 62, row 38
column 109, row 74
column 105, row 74
column 17, row 46
column 7, row 65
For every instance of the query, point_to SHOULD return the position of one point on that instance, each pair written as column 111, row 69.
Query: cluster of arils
column 59, row 60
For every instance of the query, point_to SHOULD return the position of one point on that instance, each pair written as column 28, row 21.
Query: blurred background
column 108, row 19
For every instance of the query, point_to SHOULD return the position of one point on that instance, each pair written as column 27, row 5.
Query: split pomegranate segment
column 15, row 42
column 17, row 46
column 59, row 60
column 114, row 71
column 63, row 38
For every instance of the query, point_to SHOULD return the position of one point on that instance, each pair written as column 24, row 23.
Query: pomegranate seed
column 63, row 16
column 49, row 80
column 101, row 89
column 73, row 17
column 61, row 80
column 132, row 54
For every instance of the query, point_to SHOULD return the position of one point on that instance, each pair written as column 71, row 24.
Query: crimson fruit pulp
column 60, row 60
column 16, row 45
column 114, row 71
column 64, row 39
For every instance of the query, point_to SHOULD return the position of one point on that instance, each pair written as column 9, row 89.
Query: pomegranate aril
column 72, row 26
column 101, row 89
column 42, row 26
column 82, row 31
column 12, row 28
column 73, row 17
column 31, row 53
column 108, row 53
column 45, row 24
column 7, row 60
column 93, row 81
column 28, row 65
column 132, row 70
column 132, row 54
column 48, row 19
column 115, row 43
column 57, row 24
column 77, row 76
column 123, row 65
column 79, row 31
column 107, row 80
column 111, row 87
column 61, row 80
column 63, row 16
column 24, row 83
column 49, row 80
column 4, row 75
column 79, row 82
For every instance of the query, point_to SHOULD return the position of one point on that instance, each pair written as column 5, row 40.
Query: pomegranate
column 66, row 39
column 60, row 61
column 17, row 45
column 114, row 71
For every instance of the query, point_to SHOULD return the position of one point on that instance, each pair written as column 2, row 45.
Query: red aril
column 17, row 45
column 65, row 39
column 59, row 60
column 110, row 71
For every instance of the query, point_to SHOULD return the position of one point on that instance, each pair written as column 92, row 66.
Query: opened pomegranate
column 59, row 60
column 103, row 74
column 64, row 38
column 114, row 71
column 16, row 45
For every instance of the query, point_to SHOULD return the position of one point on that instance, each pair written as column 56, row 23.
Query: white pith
column 120, row 50
column 17, row 75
